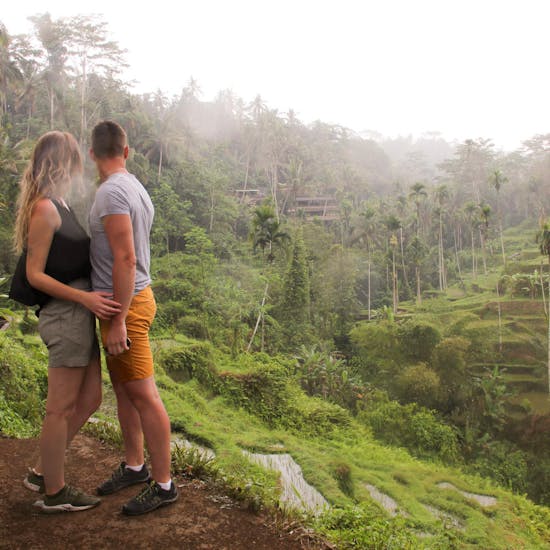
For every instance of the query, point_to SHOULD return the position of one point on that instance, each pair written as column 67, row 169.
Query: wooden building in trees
column 323, row 208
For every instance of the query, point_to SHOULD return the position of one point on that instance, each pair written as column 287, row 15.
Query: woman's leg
column 87, row 402
column 64, row 384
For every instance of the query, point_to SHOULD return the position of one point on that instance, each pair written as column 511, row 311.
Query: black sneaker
column 152, row 497
column 34, row 481
column 68, row 499
column 123, row 477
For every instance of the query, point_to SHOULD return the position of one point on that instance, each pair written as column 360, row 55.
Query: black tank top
column 68, row 260
column 69, row 256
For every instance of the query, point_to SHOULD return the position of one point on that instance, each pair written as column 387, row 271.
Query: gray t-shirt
column 120, row 193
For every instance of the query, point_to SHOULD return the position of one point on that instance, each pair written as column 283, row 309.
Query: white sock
column 134, row 468
column 166, row 486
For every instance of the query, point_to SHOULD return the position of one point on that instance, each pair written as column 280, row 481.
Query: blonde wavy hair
column 55, row 163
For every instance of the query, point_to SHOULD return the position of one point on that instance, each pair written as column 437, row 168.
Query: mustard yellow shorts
column 137, row 362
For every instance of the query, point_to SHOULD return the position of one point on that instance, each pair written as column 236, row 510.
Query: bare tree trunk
column 542, row 288
column 502, row 243
column 51, row 108
column 548, row 351
column 442, row 255
column 394, row 278
column 260, row 316
column 242, row 198
column 418, row 293
column 368, row 282
column 403, row 257
column 211, row 224
column 483, row 251
column 474, row 273
column 456, row 256
column 29, row 121
column 499, row 320
column 263, row 333
column 274, row 189
column 160, row 163
column 83, row 122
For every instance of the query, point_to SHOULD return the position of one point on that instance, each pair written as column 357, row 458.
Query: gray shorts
column 68, row 330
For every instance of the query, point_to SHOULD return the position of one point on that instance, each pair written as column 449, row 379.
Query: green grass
column 412, row 483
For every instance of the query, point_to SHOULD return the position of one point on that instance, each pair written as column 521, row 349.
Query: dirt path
column 200, row 519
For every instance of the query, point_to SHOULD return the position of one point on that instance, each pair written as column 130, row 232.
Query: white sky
column 466, row 68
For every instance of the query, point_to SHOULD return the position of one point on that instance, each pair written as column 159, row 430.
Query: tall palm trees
column 393, row 224
column 543, row 239
column 417, row 194
column 497, row 181
column 441, row 196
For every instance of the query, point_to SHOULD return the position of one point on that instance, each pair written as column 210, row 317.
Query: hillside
column 375, row 492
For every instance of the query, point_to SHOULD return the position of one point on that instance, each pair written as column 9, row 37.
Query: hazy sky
column 466, row 68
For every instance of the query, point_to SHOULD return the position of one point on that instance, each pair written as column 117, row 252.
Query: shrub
column 420, row 384
column 376, row 349
column 316, row 416
column 23, row 386
column 365, row 526
column 418, row 339
column 449, row 361
column 262, row 391
column 192, row 326
column 192, row 359
column 341, row 471
column 503, row 462
column 413, row 427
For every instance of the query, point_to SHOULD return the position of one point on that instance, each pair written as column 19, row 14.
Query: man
column 120, row 225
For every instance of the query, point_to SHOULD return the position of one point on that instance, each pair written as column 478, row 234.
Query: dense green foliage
column 23, row 387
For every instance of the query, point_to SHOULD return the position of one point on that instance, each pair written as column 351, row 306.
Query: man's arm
column 119, row 231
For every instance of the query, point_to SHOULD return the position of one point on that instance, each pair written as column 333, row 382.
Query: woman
column 58, row 270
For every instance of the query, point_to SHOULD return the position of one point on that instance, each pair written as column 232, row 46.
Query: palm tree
column 441, row 195
column 164, row 135
column 53, row 36
column 543, row 240
column 497, row 181
column 8, row 70
column 393, row 224
column 470, row 210
column 257, row 108
column 368, row 228
column 417, row 252
column 266, row 230
column 485, row 213
column 417, row 194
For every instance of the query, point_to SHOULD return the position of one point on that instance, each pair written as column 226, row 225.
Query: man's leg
column 130, row 425
column 143, row 399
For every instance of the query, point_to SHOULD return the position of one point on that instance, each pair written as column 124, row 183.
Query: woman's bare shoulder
column 45, row 209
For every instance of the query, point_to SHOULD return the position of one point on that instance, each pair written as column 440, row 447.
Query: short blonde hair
column 55, row 161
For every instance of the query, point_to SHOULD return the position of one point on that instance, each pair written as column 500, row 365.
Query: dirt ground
column 200, row 519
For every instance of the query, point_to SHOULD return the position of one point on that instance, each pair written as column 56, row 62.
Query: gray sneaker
column 68, row 499
column 123, row 477
column 153, row 496
column 34, row 481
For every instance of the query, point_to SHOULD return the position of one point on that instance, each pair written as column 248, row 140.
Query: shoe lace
column 118, row 473
column 147, row 491
column 73, row 492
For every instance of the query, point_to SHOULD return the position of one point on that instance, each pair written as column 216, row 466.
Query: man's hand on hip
column 116, row 341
